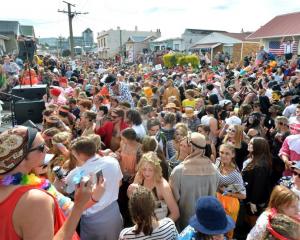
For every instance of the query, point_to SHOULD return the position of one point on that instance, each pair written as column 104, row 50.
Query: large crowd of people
column 132, row 152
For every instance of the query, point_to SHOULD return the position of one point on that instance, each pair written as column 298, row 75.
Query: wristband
column 93, row 200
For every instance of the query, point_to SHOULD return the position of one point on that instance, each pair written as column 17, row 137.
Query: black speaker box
column 29, row 110
column 27, row 48
column 34, row 92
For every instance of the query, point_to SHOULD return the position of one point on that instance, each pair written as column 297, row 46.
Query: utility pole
column 71, row 15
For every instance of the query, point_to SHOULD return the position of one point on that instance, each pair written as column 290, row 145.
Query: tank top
column 7, row 207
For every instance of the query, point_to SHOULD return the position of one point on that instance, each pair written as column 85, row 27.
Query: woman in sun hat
column 210, row 221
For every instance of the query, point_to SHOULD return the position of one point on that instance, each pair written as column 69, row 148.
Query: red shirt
column 106, row 131
column 7, row 207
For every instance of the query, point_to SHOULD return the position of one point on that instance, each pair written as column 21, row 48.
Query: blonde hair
column 62, row 137
column 96, row 139
column 239, row 135
column 281, row 196
column 281, row 119
column 152, row 159
column 182, row 128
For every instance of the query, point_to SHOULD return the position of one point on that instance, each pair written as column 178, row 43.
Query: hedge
column 170, row 60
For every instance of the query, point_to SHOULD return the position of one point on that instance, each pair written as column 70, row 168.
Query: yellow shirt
column 189, row 103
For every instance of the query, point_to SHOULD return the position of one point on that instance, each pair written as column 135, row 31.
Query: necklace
column 64, row 202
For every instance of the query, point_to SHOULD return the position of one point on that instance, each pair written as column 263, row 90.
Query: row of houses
column 135, row 44
column 9, row 32
column 132, row 44
column 84, row 42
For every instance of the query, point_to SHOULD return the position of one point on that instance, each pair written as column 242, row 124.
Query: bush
column 66, row 53
column 170, row 60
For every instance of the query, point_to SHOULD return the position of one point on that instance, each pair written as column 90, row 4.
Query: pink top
column 291, row 149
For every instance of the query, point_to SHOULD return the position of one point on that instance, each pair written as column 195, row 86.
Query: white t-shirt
column 139, row 130
column 165, row 230
column 112, row 174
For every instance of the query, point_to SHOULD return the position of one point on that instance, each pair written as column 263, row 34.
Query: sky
column 170, row 16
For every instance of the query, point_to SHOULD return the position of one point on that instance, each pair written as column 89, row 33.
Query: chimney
column 118, row 28
column 135, row 28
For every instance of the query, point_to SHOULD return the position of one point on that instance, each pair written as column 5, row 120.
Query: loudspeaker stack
column 32, row 104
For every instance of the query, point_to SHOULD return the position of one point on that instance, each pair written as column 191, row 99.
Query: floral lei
column 64, row 202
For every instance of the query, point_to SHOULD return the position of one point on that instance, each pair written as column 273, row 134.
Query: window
column 156, row 48
column 176, row 47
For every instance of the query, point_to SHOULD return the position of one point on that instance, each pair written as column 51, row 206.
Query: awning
column 206, row 46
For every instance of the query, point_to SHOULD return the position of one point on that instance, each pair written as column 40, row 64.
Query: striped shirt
column 165, row 230
column 233, row 178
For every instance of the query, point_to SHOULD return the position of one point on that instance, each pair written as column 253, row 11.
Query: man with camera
column 103, row 220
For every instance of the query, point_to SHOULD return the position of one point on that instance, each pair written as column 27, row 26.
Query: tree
column 66, row 53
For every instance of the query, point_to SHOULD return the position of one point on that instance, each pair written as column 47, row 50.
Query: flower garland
column 64, row 202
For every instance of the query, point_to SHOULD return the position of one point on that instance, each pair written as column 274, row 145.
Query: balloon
column 242, row 72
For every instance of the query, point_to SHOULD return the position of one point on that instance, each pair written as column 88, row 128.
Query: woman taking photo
column 231, row 185
column 257, row 177
column 147, row 226
column 149, row 175
column 234, row 136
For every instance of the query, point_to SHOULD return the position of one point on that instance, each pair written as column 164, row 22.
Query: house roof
column 27, row 30
column 162, row 39
column 137, row 38
column 205, row 46
column 217, row 37
column 279, row 26
column 239, row 36
column 4, row 37
column 201, row 31
column 88, row 30
column 9, row 26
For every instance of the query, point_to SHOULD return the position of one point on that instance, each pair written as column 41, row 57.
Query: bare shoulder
column 34, row 199
column 164, row 184
column 33, row 211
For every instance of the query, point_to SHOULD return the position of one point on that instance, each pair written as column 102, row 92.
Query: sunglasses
column 282, row 124
column 231, row 130
column 296, row 174
column 114, row 116
column 40, row 148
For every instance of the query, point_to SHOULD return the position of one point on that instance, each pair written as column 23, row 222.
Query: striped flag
column 275, row 47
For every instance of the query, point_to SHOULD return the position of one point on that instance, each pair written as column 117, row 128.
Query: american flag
column 275, row 47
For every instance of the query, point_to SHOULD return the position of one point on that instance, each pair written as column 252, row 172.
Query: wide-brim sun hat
column 210, row 217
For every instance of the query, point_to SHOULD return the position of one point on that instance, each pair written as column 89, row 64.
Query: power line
column 71, row 15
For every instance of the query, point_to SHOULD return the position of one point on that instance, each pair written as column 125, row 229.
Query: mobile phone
column 99, row 175
column 59, row 145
